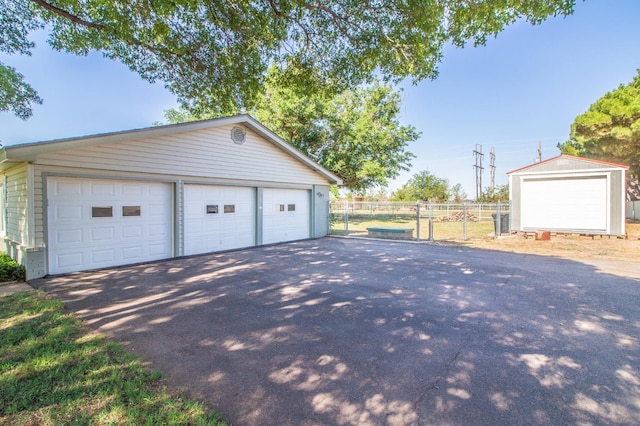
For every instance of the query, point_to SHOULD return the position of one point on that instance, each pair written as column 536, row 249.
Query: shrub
column 10, row 270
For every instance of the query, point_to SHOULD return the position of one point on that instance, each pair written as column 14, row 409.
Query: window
column 280, row 207
column 101, row 211
column 212, row 209
column 291, row 207
column 229, row 208
column 131, row 211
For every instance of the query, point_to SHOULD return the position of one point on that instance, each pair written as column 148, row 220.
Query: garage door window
column 291, row 207
column 229, row 208
column 280, row 207
column 101, row 211
column 212, row 209
column 131, row 211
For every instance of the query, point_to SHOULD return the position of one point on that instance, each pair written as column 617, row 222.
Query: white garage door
column 218, row 218
column 95, row 223
column 286, row 215
column 565, row 204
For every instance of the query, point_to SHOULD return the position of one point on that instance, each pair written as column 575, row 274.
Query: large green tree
column 355, row 134
column 424, row 186
column 610, row 129
column 16, row 21
column 214, row 54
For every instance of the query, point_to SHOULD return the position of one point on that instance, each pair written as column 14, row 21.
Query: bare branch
column 69, row 16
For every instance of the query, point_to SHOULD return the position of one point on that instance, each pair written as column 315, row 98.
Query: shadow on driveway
column 357, row 332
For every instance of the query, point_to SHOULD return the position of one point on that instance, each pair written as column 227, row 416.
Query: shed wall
column 617, row 192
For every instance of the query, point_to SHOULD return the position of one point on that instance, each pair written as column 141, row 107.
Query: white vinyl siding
column 17, row 205
column 206, row 153
column 3, row 206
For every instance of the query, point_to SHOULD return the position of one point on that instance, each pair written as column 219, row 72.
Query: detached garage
column 569, row 194
column 156, row 193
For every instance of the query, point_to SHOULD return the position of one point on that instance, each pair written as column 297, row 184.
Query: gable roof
column 27, row 152
column 564, row 162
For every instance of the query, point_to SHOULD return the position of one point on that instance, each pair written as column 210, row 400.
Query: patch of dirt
column 569, row 246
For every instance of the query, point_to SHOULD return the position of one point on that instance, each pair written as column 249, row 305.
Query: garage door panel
column 71, row 261
column 131, row 190
column 106, row 256
column 132, row 231
column 139, row 227
column 72, row 236
column 67, row 189
column 67, row 212
column 286, row 215
column 229, row 223
column 132, row 253
column 100, row 190
column 157, row 250
column 563, row 204
column 102, row 234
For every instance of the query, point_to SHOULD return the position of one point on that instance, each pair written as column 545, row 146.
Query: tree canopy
column 214, row 54
column 499, row 193
column 610, row 129
column 424, row 186
column 355, row 134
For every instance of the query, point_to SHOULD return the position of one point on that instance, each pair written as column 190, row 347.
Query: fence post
column 346, row 217
column 431, row 237
column 464, row 221
column 418, row 220
column 498, row 224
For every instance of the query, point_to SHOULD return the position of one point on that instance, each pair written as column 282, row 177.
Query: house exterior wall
column 320, row 208
column 17, row 205
column 202, row 156
column 207, row 153
column 16, row 237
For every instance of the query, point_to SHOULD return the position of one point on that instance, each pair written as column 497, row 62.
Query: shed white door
column 565, row 204
column 97, row 223
column 218, row 218
column 285, row 215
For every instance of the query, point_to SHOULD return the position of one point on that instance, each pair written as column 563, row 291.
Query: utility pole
column 492, row 170
column 477, row 152
column 539, row 152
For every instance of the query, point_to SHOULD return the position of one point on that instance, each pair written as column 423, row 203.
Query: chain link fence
column 419, row 221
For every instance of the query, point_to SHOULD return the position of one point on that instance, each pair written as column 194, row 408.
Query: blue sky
column 526, row 86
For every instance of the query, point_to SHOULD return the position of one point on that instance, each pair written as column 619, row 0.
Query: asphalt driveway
column 358, row 332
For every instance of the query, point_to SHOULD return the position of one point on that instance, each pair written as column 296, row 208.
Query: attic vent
column 238, row 135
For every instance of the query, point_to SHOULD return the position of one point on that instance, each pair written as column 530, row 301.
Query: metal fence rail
column 428, row 221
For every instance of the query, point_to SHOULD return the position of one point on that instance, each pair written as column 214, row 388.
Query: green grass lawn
column 441, row 230
column 54, row 370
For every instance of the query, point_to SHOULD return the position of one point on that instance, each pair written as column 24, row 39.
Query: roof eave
column 589, row 160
